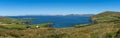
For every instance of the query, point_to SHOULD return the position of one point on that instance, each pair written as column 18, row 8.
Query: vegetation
column 106, row 25
column 12, row 23
column 6, row 20
column 107, row 16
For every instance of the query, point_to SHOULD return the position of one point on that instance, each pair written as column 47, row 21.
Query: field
column 106, row 25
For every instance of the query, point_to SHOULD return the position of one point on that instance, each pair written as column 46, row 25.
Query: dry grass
column 104, row 28
column 93, row 31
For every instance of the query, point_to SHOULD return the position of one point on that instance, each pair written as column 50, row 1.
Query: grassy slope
column 6, row 20
column 11, row 23
column 107, row 26
column 107, row 16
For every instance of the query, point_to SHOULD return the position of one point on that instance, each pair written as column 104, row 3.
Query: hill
column 108, row 16
column 20, row 24
column 6, row 20
column 106, row 25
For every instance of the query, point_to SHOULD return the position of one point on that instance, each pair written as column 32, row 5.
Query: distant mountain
column 80, row 15
column 63, row 15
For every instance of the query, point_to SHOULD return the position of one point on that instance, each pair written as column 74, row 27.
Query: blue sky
column 53, row 7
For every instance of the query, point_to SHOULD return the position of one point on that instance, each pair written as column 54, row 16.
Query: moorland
column 106, row 25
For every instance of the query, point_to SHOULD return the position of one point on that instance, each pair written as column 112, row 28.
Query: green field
column 106, row 25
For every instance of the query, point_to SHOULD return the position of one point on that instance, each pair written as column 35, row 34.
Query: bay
column 58, row 21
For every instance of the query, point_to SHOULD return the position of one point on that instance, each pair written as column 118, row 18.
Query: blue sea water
column 58, row 21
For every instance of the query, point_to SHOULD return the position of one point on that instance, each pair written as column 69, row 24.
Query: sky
column 56, row 7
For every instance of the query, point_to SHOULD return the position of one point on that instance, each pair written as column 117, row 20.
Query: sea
column 58, row 21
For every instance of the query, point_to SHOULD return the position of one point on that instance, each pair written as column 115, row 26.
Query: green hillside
column 106, row 25
column 6, row 20
column 12, row 23
column 107, row 16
